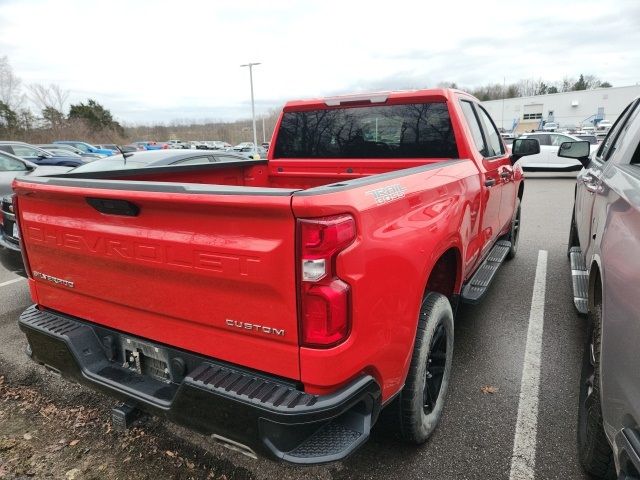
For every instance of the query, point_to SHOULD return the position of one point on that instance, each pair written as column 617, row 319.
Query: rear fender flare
column 452, row 242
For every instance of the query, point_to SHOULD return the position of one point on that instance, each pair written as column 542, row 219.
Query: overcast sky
column 157, row 61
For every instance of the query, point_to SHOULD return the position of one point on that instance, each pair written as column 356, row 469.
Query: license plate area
column 146, row 359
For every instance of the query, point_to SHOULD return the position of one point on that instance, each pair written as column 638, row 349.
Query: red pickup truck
column 279, row 305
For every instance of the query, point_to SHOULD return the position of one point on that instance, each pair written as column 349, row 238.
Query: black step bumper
column 256, row 413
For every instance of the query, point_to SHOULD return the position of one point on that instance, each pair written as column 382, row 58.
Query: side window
column 8, row 164
column 608, row 146
column 557, row 140
column 25, row 151
column 193, row 161
column 474, row 126
column 6, row 148
column 493, row 136
column 82, row 147
column 543, row 139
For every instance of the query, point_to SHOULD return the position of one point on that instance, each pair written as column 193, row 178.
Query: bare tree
column 10, row 85
column 44, row 97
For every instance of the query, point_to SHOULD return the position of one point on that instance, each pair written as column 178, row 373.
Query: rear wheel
column 514, row 233
column 421, row 401
column 594, row 450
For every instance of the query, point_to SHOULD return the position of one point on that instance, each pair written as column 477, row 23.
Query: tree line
column 530, row 87
column 39, row 113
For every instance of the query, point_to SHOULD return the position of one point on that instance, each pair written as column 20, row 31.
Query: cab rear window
column 392, row 131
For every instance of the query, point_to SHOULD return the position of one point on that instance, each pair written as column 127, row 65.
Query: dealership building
column 568, row 109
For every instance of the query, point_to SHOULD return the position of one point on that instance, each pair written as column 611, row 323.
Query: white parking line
column 9, row 282
column 523, row 460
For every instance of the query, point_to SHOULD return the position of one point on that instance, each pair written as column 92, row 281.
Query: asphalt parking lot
column 476, row 437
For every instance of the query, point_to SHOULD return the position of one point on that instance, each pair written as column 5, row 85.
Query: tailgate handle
column 112, row 206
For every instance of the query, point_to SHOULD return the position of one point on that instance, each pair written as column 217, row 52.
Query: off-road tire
column 416, row 424
column 594, row 451
column 514, row 233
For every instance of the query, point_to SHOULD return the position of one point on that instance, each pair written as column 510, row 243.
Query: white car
column 604, row 125
column 550, row 127
column 548, row 158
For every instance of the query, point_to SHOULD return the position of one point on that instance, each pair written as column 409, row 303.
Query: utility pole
column 264, row 135
column 253, row 108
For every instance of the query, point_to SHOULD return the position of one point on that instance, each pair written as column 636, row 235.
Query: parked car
column 69, row 148
column 550, row 127
column 548, row 158
column 10, row 168
column 157, row 158
column 604, row 246
column 604, row 125
column 132, row 148
column 242, row 145
column 39, row 156
column 87, row 148
column 61, row 152
column 151, row 145
column 178, row 144
column 265, row 145
column 108, row 146
column 250, row 152
column 292, row 298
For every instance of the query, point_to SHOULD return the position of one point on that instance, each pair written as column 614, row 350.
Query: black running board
column 477, row 287
column 579, row 280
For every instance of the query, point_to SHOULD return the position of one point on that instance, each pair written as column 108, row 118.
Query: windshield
column 390, row 131
column 115, row 162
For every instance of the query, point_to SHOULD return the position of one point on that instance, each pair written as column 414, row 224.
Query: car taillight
column 324, row 311
column 23, row 250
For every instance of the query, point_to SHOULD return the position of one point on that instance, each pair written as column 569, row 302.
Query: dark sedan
column 39, row 156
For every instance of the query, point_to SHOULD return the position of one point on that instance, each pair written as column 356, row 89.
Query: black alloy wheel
column 436, row 363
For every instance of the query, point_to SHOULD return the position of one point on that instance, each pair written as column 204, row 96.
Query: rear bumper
column 260, row 413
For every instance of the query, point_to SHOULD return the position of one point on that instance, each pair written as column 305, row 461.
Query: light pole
column 253, row 108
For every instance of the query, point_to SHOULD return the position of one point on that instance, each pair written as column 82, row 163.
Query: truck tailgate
column 212, row 273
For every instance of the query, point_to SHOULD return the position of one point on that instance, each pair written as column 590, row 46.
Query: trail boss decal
column 387, row 194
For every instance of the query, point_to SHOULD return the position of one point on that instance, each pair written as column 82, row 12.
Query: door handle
column 489, row 182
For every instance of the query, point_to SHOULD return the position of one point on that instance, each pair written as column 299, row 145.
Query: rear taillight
column 324, row 313
column 23, row 250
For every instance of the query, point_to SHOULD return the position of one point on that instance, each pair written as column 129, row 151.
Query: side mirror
column 29, row 167
column 522, row 147
column 577, row 150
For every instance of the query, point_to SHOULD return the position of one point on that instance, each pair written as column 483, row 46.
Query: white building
column 568, row 109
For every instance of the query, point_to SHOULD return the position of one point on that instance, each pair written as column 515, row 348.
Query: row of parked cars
column 246, row 148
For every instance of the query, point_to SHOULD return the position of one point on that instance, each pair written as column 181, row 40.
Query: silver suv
column 604, row 248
